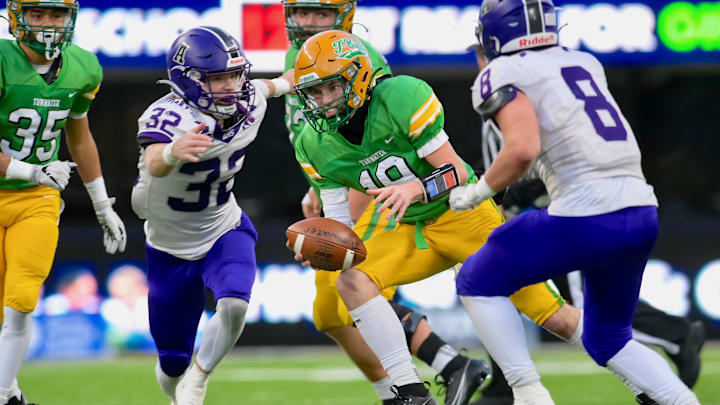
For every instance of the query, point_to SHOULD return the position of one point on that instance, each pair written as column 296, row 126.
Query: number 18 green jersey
column 32, row 112
column 404, row 124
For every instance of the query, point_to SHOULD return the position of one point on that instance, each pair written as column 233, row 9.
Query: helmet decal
column 347, row 48
column 179, row 56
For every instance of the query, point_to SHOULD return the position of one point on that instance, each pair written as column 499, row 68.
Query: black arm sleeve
column 496, row 101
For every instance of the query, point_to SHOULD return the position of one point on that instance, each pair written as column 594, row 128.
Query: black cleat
column 19, row 401
column 388, row 401
column 463, row 383
column 486, row 400
column 411, row 399
column 688, row 359
column 643, row 399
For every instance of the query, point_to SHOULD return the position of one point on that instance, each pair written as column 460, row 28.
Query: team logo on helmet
column 347, row 48
column 179, row 56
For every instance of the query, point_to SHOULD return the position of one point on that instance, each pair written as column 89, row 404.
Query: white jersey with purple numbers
column 590, row 160
column 186, row 211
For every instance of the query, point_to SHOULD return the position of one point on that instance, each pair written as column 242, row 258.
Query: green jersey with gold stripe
column 404, row 124
column 32, row 112
column 294, row 118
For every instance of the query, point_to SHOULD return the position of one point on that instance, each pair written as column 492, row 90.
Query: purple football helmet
column 507, row 26
column 200, row 53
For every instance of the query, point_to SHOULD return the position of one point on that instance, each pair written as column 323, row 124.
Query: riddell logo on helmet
column 549, row 39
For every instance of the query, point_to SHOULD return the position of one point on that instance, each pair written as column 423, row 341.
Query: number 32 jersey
column 589, row 159
column 186, row 211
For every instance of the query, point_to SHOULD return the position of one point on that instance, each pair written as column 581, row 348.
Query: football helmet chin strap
column 47, row 37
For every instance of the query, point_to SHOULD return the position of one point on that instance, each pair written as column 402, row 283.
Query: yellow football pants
column 329, row 310
column 28, row 239
column 394, row 257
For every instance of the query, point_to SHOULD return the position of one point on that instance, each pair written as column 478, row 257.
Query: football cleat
column 688, row 359
column 463, row 383
column 19, row 401
column 486, row 400
column 643, row 399
column 410, row 399
column 192, row 388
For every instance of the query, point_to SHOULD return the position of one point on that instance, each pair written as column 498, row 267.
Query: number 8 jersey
column 186, row 211
column 589, row 159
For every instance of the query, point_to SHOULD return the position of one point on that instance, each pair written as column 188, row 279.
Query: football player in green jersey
column 46, row 85
column 385, row 137
column 460, row 374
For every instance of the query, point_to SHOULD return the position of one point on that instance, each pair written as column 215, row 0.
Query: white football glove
column 469, row 196
column 114, row 238
column 55, row 174
column 458, row 202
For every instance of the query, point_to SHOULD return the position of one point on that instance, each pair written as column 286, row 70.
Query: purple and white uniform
column 186, row 211
column 602, row 217
column 197, row 236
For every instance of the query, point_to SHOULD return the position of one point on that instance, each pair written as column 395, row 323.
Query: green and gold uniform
column 32, row 116
column 403, row 125
column 329, row 311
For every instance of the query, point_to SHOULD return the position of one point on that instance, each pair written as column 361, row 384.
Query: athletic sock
column 500, row 328
column 380, row 327
column 647, row 370
column 14, row 341
column 166, row 382
column 382, row 388
column 221, row 332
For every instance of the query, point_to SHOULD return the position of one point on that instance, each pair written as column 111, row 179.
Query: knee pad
column 411, row 323
column 231, row 312
column 174, row 365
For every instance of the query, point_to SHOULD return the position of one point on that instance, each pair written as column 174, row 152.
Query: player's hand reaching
column 114, row 238
column 310, row 204
column 399, row 197
column 192, row 144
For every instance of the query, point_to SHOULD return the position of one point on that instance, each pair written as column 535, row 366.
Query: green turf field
column 311, row 376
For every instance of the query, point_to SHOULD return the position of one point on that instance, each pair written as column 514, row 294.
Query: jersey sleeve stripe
column 91, row 94
column 425, row 115
column 158, row 137
column 310, row 170
column 423, row 108
column 417, row 128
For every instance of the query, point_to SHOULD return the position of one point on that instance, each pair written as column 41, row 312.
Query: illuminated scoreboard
column 420, row 33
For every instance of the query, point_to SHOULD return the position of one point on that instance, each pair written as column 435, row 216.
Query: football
column 326, row 243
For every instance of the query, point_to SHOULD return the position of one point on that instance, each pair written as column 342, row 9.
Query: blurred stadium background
column 663, row 65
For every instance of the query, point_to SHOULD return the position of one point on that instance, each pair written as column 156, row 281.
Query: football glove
column 467, row 197
column 55, row 174
column 114, row 238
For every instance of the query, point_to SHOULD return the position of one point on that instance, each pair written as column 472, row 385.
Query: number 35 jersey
column 32, row 112
column 186, row 211
column 589, row 159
